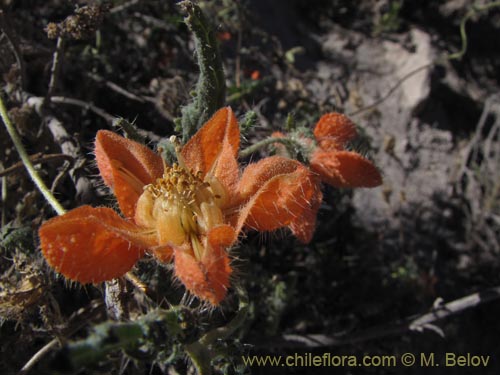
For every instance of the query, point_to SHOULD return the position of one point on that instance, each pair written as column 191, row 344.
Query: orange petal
column 226, row 170
column 126, row 166
column 345, row 169
column 257, row 174
column 203, row 149
column 208, row 278
column 281, row 199
column 277, row 135
column 222, row 236
column 304, row 226
column 334, row 130
column 91, row 245
column 164, row 253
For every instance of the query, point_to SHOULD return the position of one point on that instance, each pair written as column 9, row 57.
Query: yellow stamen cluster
column 181, row 206
column 177, row 184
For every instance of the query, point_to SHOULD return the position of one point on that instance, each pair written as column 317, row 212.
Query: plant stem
column 211, row 86
column 463, row 33
column 266, row 142
column 200, row 356
column 226, row 331
column 27, row 162
column 200, row 351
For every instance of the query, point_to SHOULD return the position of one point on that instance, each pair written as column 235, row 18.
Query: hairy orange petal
column 127, row 188
column 257, row 174
column 91, row 245
column 222, row 235
column 163, row 253
column 303, row 227
column 279, row 202
column 126, row 166
column 334, row 130
column 226, row 170
column 203, row 149
column 207, row 278
column 345, row 169
column 277, row 134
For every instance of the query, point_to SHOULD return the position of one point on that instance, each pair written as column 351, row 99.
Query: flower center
column 182, row 207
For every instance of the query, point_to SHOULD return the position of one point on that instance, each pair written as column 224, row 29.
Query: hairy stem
column 289, row 143
column 200, row 351
column 211, row 88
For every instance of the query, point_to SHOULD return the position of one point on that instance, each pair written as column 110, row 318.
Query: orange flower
column 332, row 164
column 255, row 75
column 224, row 36
column 331, row 161
column 190, row 212
column 335, row 165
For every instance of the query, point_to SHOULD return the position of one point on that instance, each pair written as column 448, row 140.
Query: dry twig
column 38, row 158
column 76, row 322
column 83, row 185
column 418, row 323
column 113, row 86
column 122, row 7
column 56, row 68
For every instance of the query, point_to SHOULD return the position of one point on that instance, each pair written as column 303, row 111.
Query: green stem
column 200, row 351
column 200, row 357
column 154, row 333
column 266, row 142
column 27, row 163
column 463, row 33
column 105, row 339
column 224, row 332
column 211, row 86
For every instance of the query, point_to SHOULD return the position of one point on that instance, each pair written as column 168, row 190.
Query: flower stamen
column 182, row 206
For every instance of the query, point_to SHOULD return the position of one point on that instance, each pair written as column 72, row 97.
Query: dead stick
column 122, row 7
column 83, row 185
column 418, row 323
column 80, row 103
column 76, row 321
column 38, row 158
column 113, row 86
column 55, row 69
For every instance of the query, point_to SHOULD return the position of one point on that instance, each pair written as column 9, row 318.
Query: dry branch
column 418, row 323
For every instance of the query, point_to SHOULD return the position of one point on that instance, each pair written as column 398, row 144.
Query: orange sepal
column 279, row 201
column 345, row 169
column 334, row 130
column 91, row 245
column 207, row 278
column 203, row 149
column 126, row 166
